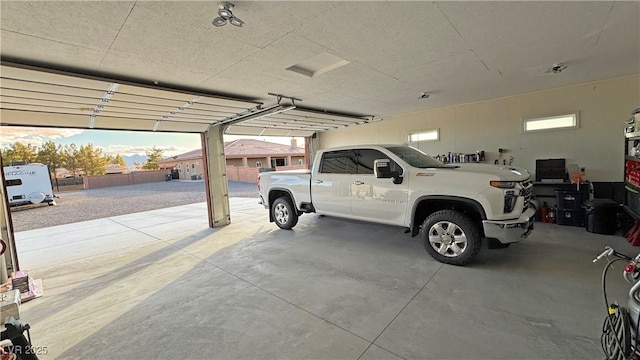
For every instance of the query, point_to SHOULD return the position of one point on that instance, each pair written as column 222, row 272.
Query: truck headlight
column 503, row 184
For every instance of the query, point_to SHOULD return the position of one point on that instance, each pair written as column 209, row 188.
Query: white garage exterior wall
column 603, row 107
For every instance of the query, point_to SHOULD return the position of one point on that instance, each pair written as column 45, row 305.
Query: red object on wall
column 632, row 173
column 544, row 214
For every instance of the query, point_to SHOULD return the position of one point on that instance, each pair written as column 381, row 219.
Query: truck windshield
column 415, row 157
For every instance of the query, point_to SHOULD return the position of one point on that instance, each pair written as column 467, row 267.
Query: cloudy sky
column 114, row 142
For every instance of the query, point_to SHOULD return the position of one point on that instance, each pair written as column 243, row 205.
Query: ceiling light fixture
column 556, row 68
column 225, row 13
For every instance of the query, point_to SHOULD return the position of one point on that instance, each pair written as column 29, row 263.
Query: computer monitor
column 551, row 170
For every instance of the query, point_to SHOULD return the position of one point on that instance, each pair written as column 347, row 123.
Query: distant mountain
column 130, row 159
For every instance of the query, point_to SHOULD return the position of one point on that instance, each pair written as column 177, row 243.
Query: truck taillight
column 258, row 177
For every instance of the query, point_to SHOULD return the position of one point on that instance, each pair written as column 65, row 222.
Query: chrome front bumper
column 510, row 231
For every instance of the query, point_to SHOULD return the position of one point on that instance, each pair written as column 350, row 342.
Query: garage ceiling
column 389, row 52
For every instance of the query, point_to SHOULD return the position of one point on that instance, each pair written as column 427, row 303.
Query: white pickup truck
column 452, row 207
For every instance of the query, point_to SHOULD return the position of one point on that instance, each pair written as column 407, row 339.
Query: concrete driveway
column 81, row 205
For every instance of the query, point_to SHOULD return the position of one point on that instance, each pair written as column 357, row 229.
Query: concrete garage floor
column 161, row 285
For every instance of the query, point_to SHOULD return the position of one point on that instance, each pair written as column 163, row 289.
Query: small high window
column 569, row 121
column 428, row 135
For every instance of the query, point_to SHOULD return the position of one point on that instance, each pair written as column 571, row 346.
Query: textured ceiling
column 457, row 52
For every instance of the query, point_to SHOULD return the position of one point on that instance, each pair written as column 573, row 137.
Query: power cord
column 616, row 337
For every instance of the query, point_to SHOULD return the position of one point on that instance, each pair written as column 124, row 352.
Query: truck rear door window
column 338, row 162
column 13, row 182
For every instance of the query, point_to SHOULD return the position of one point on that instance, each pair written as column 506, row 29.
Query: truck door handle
column 318, row 181
column 358, row 183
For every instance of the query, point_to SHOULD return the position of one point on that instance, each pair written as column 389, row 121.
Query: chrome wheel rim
column 447, row 239
column 281, row 213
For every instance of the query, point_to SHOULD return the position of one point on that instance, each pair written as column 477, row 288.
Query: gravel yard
column 82, row 205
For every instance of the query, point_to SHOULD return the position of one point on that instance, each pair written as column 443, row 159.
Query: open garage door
column 39, row 97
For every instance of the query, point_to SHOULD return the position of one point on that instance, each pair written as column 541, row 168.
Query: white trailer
column 28, row 184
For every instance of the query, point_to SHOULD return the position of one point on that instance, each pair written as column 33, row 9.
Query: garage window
column 426, row 135
column 569, row 121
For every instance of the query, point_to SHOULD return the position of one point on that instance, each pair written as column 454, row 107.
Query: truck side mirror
column 382, row 170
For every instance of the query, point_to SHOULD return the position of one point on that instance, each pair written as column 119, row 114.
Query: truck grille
column 527, row 192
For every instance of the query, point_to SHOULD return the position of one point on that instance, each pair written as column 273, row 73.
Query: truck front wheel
column 451, row 237
column 284, row 214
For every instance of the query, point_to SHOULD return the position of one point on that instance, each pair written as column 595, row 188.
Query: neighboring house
column 263, row 154
column 116, row 169
column 245, row 157
column 110, row 169
column 189, row 165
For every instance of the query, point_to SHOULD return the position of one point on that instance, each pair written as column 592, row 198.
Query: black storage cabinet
column 570, row 211
column 601, row 216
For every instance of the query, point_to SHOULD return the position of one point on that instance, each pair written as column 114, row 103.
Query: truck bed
column 297, row 182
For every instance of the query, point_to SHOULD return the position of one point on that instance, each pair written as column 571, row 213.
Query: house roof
column 193, row 154
column 241, row 148
column 115, row 168
column 245, row 147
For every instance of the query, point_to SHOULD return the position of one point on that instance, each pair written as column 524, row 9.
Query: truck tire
column 451, row 237
column 284, row 214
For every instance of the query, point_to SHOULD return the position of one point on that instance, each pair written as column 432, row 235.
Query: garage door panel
column 237, row 105
column 111, row 122
column 51, row 88
column 128, row 114
column 93, row 100
column 182, row 127
column 260, row 131
column 43, row 102
column 11, row 72
column 35, row 108
column 168, row 104
column 154, row 93
column 31, row 118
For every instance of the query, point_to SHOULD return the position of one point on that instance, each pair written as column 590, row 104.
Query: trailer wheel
column 284, row 214
column 36, row 198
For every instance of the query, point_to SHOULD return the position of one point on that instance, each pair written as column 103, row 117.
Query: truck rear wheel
column 284, row 214
column 451, row 237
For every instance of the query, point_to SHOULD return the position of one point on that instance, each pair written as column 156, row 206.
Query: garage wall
column 597, row 145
